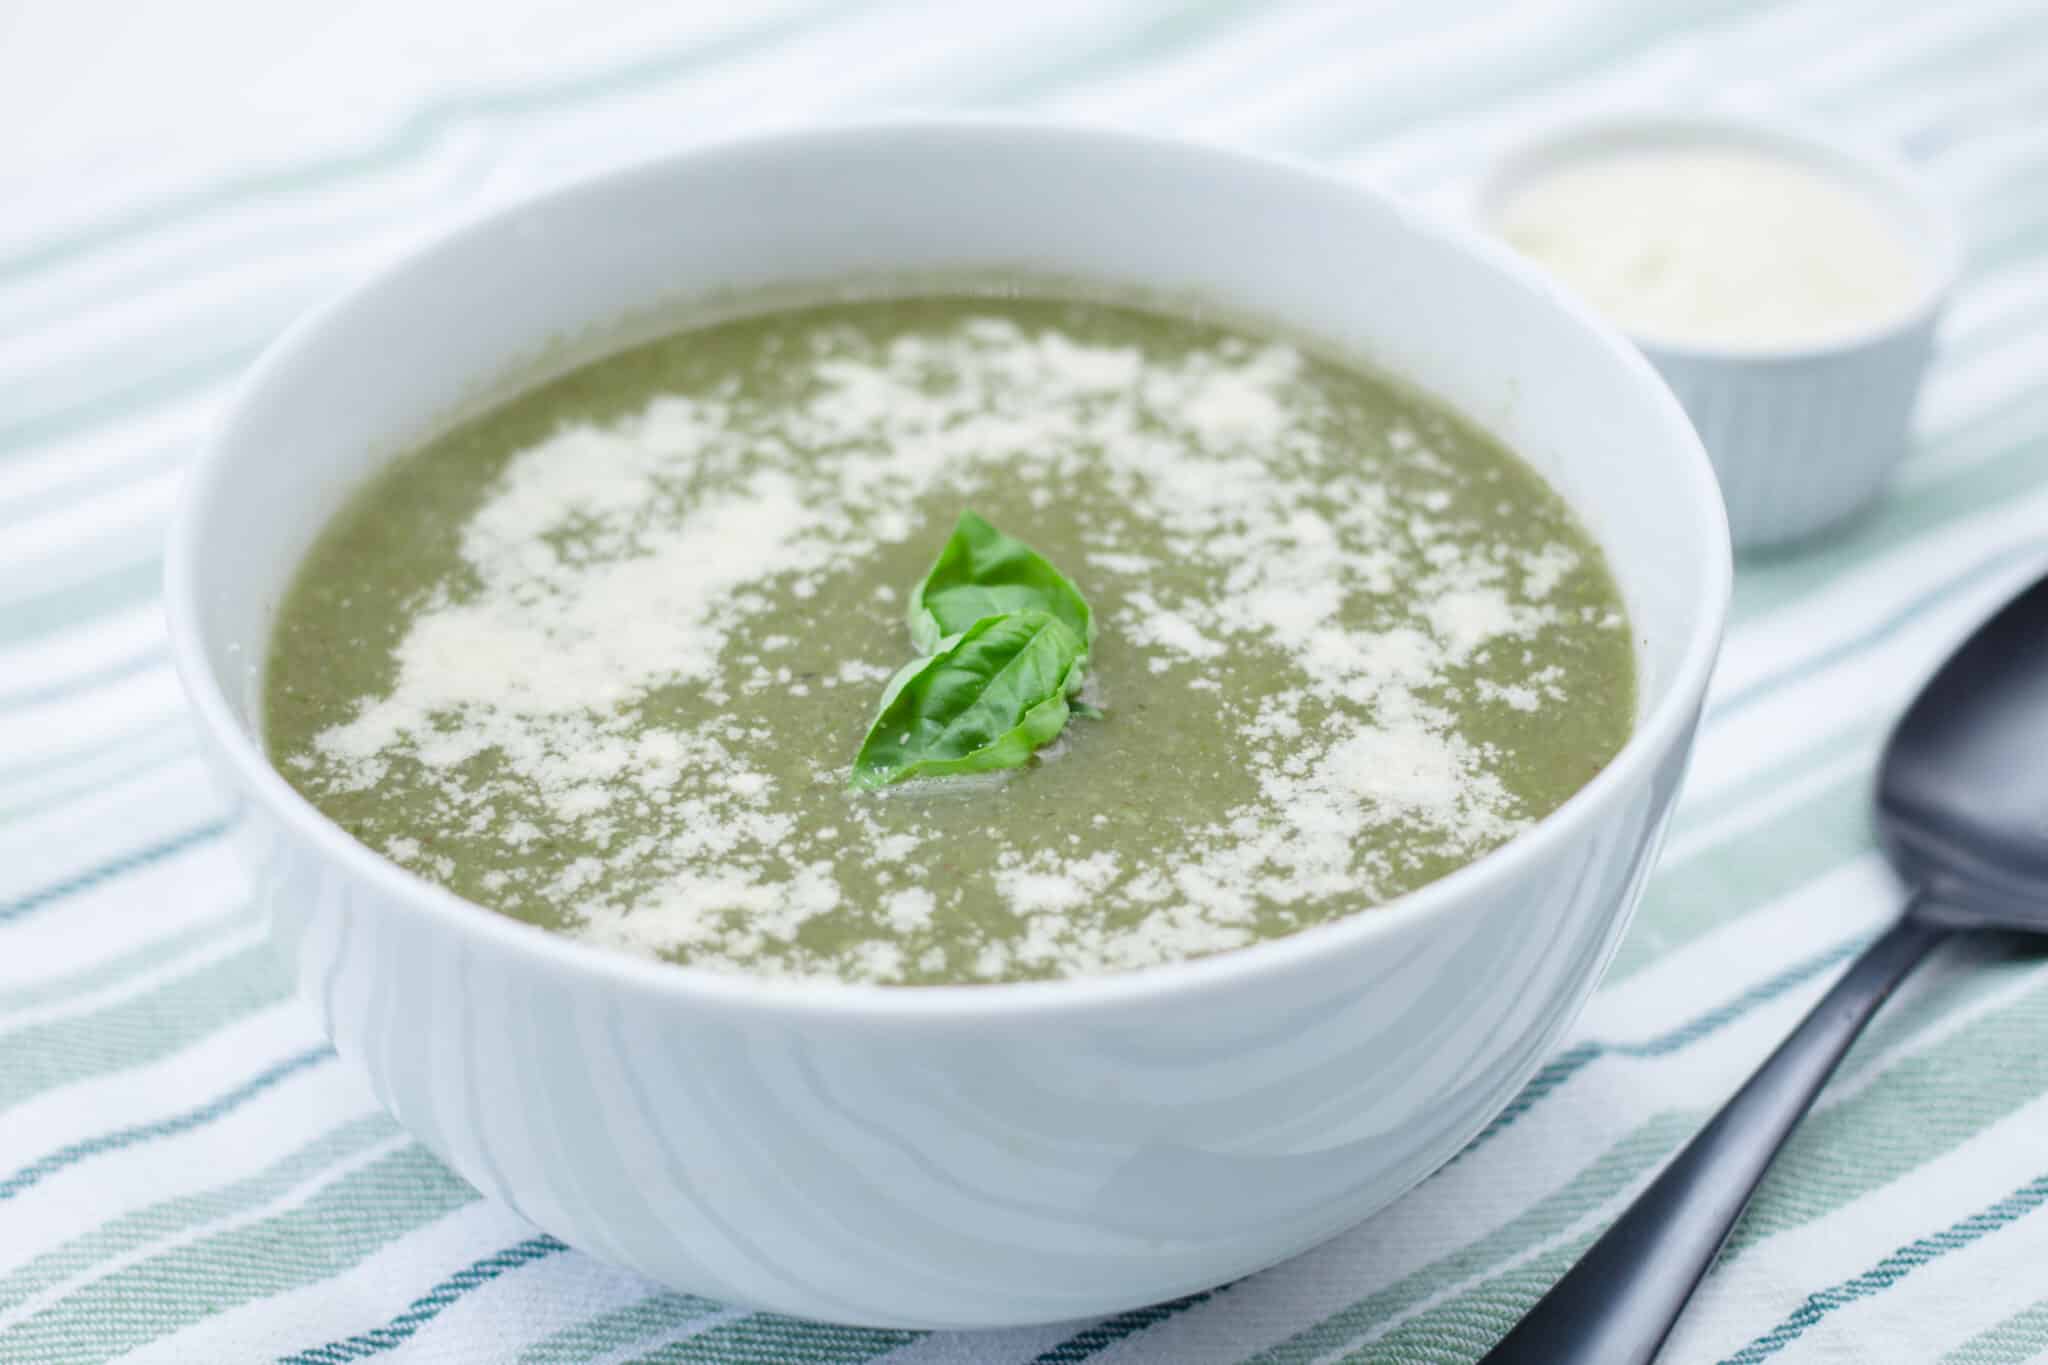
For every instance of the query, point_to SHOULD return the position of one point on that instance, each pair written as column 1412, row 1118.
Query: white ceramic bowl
column 1802, row 436
column 972, row 1155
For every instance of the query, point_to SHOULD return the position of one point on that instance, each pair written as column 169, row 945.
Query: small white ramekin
column 1801, row 436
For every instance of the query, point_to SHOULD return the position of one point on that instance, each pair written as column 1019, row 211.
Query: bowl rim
column 1655, row 733
column 1907, row 193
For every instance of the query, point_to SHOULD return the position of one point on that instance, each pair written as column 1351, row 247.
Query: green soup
column 600, row 658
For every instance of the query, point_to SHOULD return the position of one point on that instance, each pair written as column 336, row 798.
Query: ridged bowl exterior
column 957, row 1156
column 1801, row 443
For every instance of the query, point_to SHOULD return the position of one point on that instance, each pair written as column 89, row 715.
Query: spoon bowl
column 1962, row 796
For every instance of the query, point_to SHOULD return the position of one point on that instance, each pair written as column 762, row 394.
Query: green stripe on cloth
column 121, row 670
column 1795, row 761
column 2021, row 1337
column 1894, row 1268
column 1998, row 564
column 1100, row 1336
column 120, row 1139
column 178, row 381
column 1544, row 65
column 155, row 1222
column 110, row 971
column 74, row 787
column 766, row 1339
column 1467, row 1326
column 118, row 866
column 1719, row 884
column 141, row 1029
column 103, row 594
column 153, row 728
column 2007, row 424
column 1958, row 58
column 429, row 1305
column 655, row 1315
column 2012, row 240
column 335, row 1228
column 2014, row 329
column 1174, row 28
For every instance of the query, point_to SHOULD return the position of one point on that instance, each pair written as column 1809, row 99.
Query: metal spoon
column 1962, row 810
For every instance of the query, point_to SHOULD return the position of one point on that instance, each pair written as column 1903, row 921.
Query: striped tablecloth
column 187, row 1174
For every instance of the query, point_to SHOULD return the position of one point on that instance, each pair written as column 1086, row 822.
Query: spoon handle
column 1616, row 1306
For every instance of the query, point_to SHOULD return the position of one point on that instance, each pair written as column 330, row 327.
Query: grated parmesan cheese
column 609, row 569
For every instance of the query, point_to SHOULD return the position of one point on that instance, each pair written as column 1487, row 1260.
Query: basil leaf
column 984, row 700
column 981, row 572
column 1005, row 638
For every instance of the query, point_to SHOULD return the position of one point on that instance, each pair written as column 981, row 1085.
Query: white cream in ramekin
column 1787, row 287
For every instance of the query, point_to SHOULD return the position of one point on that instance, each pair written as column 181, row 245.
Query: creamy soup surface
column 600, row 658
